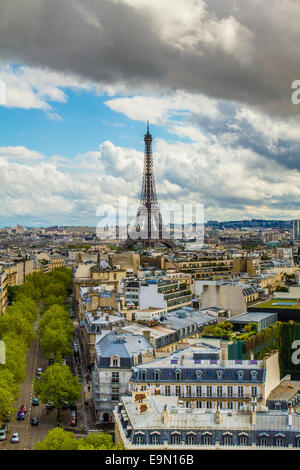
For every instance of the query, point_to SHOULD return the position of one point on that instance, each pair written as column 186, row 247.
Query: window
column 199, row 391
column 230, row 392
column 207, row 440
column 167, row 390
column 219, row 374
column 115, row 393
column 230, row 405
column 253, row 375
column 209, row 390
column 279, row 442
column 115, row 362
column 243, row 440
column 219, row 403
column 175, row 439
column 240, row 392
column 254, row 391
column 199, row 374
column 156, row 375
column 227, row 440
column 178, row 391
column 219, row 391
column 115, row 377
column 240, row 374
column 155, row 440
column 140, row 440
column 188, row 391
column 209, row 404
column 143, row 375
column 263, row 442
column 178, row 375
column 199, row 404
column 191, row 440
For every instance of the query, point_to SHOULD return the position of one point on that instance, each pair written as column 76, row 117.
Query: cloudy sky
column 213, row 77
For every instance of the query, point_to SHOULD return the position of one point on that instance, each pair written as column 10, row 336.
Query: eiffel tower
column 148, row 229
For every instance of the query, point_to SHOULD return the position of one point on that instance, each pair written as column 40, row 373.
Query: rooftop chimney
column 253, row 415
column 218, row 416
column 290, row 416
column 165, row 415
column 146, row 334
column 224, row 350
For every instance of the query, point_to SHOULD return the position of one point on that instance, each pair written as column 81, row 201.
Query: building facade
column 198, row 375
column 115, row 355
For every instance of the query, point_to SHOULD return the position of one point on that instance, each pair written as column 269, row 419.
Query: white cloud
column 199, row 172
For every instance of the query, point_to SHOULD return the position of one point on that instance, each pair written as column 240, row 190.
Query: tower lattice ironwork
column 148, row 228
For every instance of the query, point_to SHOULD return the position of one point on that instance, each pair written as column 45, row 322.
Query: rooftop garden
column 280, row 303
column 225, row 331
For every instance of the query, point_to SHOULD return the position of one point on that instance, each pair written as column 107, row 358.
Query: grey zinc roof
column 252, row 316
column 188, row 419
column 124, row 345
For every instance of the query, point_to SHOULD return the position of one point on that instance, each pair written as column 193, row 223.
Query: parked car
column 3, row 428
column 66, row 405
column 35, row 402
column 23, row 408
column 2, row 435
column 50, row 405
column 39, row 371
column 20, row 416
column 35, row 421
column 15, row 437
column 38, row 377
column 73, row 421
column 64, row 361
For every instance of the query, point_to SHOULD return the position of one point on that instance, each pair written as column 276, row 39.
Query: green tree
column 14, row 322
column 7, row 380
column 55, row 341
column 58, row 385
column 98, row 441
column 6, row 402
column 15, row 356
column 58, row 439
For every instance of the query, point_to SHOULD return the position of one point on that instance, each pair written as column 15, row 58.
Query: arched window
column 191, row 440
column 240, row 374
column 143, row 374
column 253, row 375
column 199, row 374
column 156, row 375
column 178, row 374
column 219, row 374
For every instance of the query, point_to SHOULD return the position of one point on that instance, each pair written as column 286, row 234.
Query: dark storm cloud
column 107, row 41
